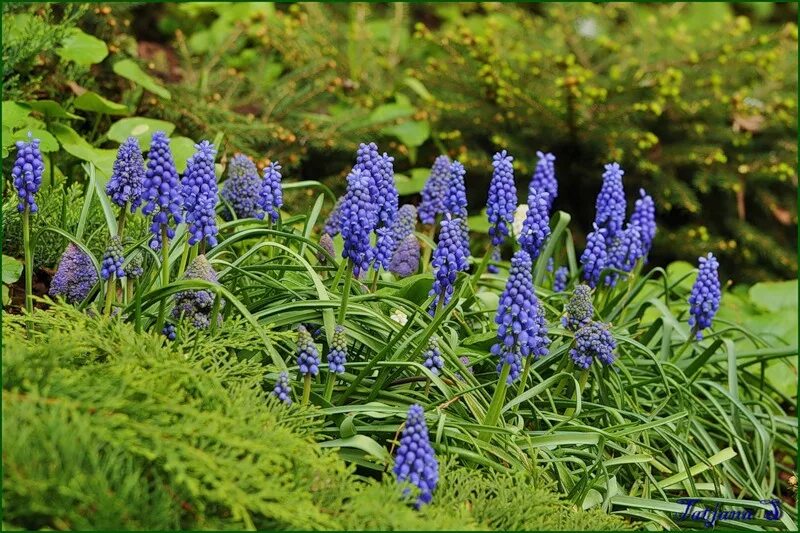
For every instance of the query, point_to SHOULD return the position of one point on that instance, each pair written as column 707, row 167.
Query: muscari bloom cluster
column 162, row 190
column 326, row 243
column 560, row 279
column 358, row 216
column 307, row 354
column 282, row 390
column 199, row 190
column 433, row 356
column 448, row 260
column 416, row 462
column 337, row 355
column 644, row 216
column 405, row 259
column 169, row 331
column 623, row 252
column 521, row 329
column 455, row 196
column 380, row 170
column 705, row 296
column 544, row 178
column 75, row 276
column 595, row 256
column 197, row 304
column 404, row 223
column 536, row 227
column 384, row 248
column 271, row 198
column 502, row 198
column 579, row 309
column 27, row 173
column 242, row 189
column 493, row 268
column 334, row 219
column 610, row 206
column 134, row 268
column 434, row 191
column 125, row 186
column 113, row 258
column 593, row 341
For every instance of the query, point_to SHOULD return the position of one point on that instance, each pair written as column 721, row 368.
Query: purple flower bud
column 644, row 216
column 434, row 192
column 127, row 176
column 415, row 461
column 134, row 268
column 334, row 219
column 579, row 309
column 326, row 243
column 536, row 227
column 560, row 279
column 455, row 199
column 448, row 260
column 271, row 193
column 405, row 260
column 595, row 257
column 405, row 223
column 169, row 331
column 75, row 276
column 337, row 354
column 282, row 390
column 384, row 246
column 706, row 295
column 27, row 173
column 593, row 341
column 610, row 206
column 113, row 258
column 433, row 356
column 383, row 191
column 544, row 178
column 307, row 354
column 358, row 216
column 199, row 190
column 161, row 190
column 197, row 304
column 242, row 189
column 623, row 252
column 502, row 201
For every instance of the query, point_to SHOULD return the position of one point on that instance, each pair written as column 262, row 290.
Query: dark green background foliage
column 697, row 101
column 107, row 429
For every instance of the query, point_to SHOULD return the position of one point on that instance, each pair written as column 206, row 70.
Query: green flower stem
column 426, row 255
column 582, row 379
column 111, row 289
column 329, row 386
column 375, row 276
column 306, row 389
column 348, row 279
column 137, row 314
column 184, row 258
column 523, row 383
column 685, row 345
column 497, row 403
column 121, row 220
column 129, row 291
column 162, row 308
column 26, row 244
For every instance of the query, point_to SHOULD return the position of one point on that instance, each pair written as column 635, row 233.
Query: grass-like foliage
column 105, row 429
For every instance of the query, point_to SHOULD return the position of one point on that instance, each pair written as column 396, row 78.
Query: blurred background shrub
column 697, row 101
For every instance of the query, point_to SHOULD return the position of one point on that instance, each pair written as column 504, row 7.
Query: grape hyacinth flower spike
column 415, row 462
column 644, row 216
column 326, row 243
column 358, row 217
column 579, row 310
column 337, row 354
column 610, row 205
column 380, row 171
column 242, row 189
column 536, row 227
column 624, row 252
column 502, row 198
column 307, row 360
column 75, row 276
column 127, row 176
column 271, row 193
column 27, row 173
column 134, row 267
column 332, row 224
column 282, row 390
column 162, row 192
column 199, row 190
column 197, row 304
column 560, row 279
column 405, row 260
column 433, row 356
column 521, row 329
column 544, row 178
column 169, row 332
column 595, row 257
column 448, row 261
column 405, row 223
column 593, row 341
column 705, row 296
column 113, row 259
column 455, row 198
column 496, row 257
column 434, row 191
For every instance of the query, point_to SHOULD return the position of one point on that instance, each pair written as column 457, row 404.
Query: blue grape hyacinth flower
column 623, row 252
column 134, row 269
column 384, row 248
column 536, row 227
column 595, row 257
column 307, row 354
column 433, row 356
column 282, row 390
column 705, row 296
column 544, row 178
column 579, row 310
column 610, row 205
column 521, row 329
column 644, row 216
column 127, row 176
column 161, row 190
column 271, row 198
column 196, row 305
column 380, row 169
column 434, row 191
column 199, row 190
column 113, row 260
column 333, row 223
column 560, row 279
column 455, row 198
column 502, row 200
column 415, row 461
column 496, row 257
column 593, row 341
column 169, row 331
column 75, row 276
column 242, row 188
column 337, row 354
column 405, row 223
column 358, row 216
column 405, row 259
column 27, row 173
column 448, row 260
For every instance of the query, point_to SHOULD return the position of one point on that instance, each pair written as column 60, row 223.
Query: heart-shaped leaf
column 82, row 48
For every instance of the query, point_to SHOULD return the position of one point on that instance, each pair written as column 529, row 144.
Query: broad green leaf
column 72, row 142
column 15, row 114
column 6, row 295
column 390, row 112
column 82, row 48
column 360, row 442
column 139, row 127
column 48, row 143
column 413, row 184
column 91, row 101
column 412, row 133
column 182, row 150
column 12, row 269
column 52, row 109
column 128, row 69
column 677, row 270
column 775, row 295
column 478, row 223
column 418, row 88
